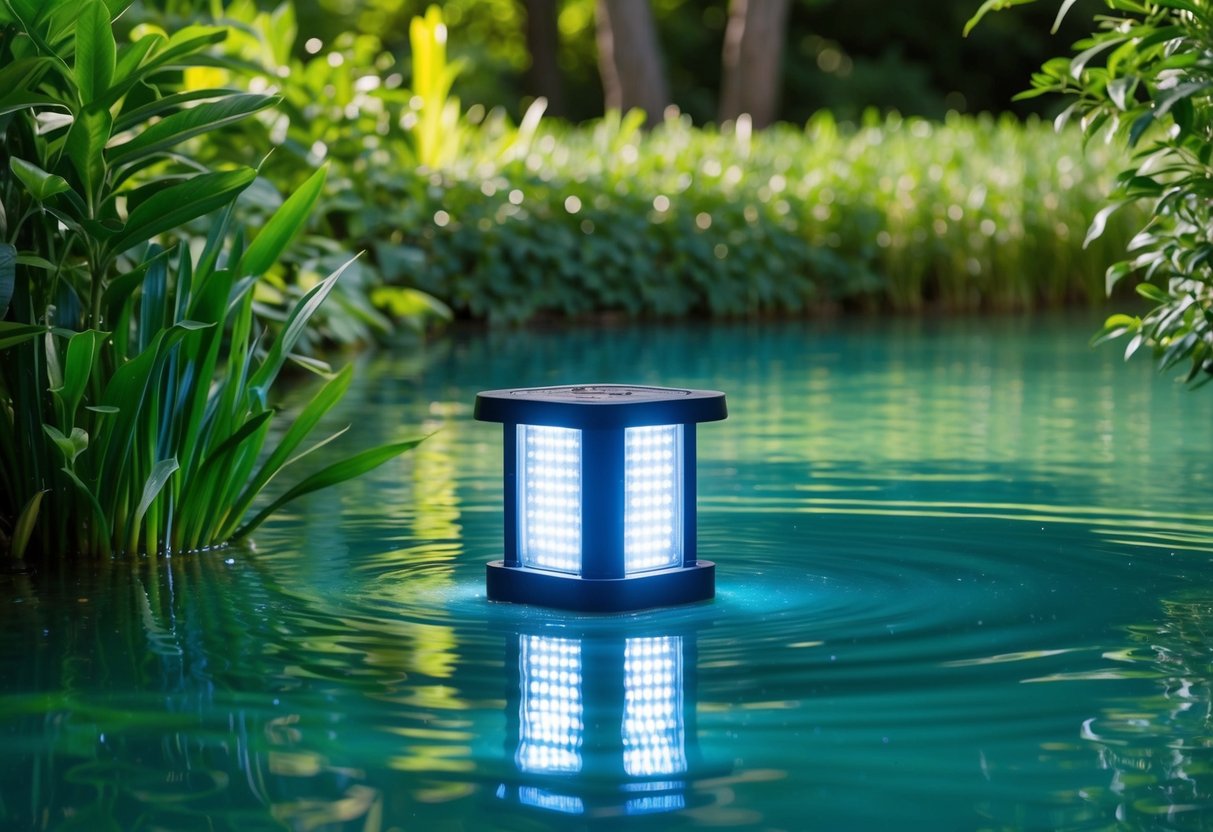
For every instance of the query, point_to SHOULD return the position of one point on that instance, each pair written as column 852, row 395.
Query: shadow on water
column 959, row 587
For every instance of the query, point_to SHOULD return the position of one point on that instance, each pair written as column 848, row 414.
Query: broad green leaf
column 178, row 204
column 85, row 147
column 338, row 472
column 156, row 480
column 131, row 57
column 95, row 51
column 41, row 185
column 12, row 333
column 287, row 221
column 24, row 527
column 8, row 276
column 178, row 127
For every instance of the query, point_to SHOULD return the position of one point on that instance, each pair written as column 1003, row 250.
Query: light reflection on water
column 963, row 576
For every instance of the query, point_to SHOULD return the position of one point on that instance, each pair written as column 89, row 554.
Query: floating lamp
column 600, row 496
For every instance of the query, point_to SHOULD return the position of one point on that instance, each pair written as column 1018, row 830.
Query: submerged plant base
column 665, row 588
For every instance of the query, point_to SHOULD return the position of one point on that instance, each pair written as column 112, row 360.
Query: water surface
column 964, row 581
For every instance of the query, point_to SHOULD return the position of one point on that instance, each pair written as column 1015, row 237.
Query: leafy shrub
column 1144, row 77
column 134, row 379
column 341, row 104
column 973, row 213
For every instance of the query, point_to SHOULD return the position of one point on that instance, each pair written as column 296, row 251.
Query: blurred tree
column 629, row 58
column 841, row 55
column 752, row 60
column 543, row 76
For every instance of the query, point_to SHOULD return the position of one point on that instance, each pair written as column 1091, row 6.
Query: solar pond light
column 600, row 496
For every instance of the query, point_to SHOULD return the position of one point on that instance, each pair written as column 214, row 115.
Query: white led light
column 652, row 516
column 655, row 803
column 549, row 498
column 654, row 741
column 550, row 716
column 544, row 799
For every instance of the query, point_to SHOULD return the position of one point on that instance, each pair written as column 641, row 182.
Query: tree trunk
column 543, row 77
column 752, row 60
column 629, row 58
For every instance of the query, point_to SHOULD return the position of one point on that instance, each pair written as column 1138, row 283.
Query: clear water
column 964, row 582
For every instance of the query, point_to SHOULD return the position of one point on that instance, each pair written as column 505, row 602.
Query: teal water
column 965, row 582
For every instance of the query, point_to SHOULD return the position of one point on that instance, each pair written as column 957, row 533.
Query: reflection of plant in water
column 144, row 718
column 1159, row 747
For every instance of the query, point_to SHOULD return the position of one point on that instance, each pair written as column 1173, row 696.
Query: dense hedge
column 900, row 214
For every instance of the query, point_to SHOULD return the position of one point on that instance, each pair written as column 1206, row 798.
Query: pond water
column 964, row 582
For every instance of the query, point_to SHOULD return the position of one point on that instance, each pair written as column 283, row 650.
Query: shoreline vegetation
column 187, row 212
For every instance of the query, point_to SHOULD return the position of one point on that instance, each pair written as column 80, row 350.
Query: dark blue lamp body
column 600, row 496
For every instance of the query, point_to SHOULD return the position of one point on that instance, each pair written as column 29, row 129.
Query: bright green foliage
column 134, row 378
column 343, row 106
column 896, row 214
column 1145, row 77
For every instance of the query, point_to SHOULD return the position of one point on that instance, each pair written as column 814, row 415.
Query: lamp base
column 665, row 588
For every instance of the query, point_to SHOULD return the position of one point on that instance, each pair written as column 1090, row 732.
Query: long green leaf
column 296, row 323
column 95, row 51
column 287, row 221
column 22, row 100
column 131, row 119
column 8, row 276
column 25, row 525
column 182, row 44
column 321, row 403
column 186, row 124
column 338, row 472
column 131, row 57
column 12, row 333
column 177, row 205
column 82, row 352
column 24, row 74
column 99, row 516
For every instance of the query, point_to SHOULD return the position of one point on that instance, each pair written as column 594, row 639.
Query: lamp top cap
column 600, row 406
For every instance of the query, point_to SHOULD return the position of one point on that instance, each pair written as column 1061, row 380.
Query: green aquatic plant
column 1144, row 78
column 135, row 377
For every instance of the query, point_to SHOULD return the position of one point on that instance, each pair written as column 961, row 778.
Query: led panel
column 654, row 741
column 549, row 498
column 652, row 518
column 550, row 714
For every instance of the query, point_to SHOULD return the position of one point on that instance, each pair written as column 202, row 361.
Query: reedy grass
column 135, row 380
